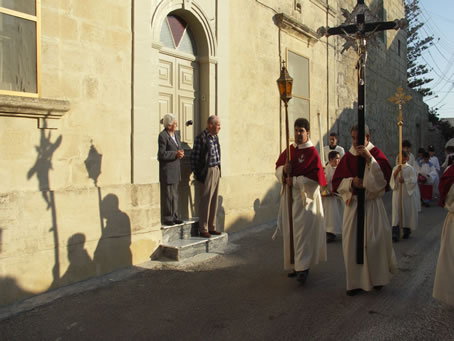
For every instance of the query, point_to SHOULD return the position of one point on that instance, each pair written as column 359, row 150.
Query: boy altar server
column 303, row 176
column 404, row 174
column 333, row 206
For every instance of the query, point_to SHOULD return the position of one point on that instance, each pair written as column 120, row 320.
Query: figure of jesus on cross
column 359, row 27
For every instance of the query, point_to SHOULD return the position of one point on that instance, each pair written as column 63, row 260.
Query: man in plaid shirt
column 206, row 165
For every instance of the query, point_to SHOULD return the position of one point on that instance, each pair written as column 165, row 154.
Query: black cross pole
column 356, row 30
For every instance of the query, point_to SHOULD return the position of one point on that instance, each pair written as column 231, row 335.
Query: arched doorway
column 179, row 76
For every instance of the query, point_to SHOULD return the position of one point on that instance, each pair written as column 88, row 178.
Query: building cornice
column 47, row 111
column 292, row 26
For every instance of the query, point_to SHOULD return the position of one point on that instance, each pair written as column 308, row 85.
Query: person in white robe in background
column 406, row 176
column 427, row 175
column 333, row 146
column 333, row 206
column 406, row 146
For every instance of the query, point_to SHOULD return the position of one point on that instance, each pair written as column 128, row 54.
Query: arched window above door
column 176, row 34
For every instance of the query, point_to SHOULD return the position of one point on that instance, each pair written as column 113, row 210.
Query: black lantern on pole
column 284, row 84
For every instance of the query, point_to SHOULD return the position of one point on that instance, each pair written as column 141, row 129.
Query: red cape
column 348, row 167
column 305, row 162
column 446, row 180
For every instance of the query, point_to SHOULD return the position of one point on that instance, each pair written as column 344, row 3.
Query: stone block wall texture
column 59, row 219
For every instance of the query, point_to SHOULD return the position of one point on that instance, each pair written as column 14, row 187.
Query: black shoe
column 291, row 274
column 354, row 292
column 407, row 233
column 378, row 287
column 301, row 276
column 330, row 237
column 178, row 221
column 396, row 233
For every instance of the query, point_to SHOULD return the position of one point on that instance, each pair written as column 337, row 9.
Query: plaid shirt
column 206, row 140
column 215, row 157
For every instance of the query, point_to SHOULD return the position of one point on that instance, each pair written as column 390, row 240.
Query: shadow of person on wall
column 11, row 291
column 80, row 264
column 220, row 219
column 113, row 250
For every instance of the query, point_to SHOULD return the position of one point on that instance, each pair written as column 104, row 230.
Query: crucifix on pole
column 400, row 99
column 360, row 26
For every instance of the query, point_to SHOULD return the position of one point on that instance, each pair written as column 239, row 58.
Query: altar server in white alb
column 378, row 253
column 406, row 147
column 303, row 176
column 333, row 146
column 443, row 285
column 333, row 206
column 404, row 175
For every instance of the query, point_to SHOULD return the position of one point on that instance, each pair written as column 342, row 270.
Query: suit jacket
column 169, row 164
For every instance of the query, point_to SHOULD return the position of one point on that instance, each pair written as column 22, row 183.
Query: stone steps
column 182, row 241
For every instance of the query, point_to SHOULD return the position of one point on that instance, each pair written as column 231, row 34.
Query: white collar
column 353, row 150
column 304, row 145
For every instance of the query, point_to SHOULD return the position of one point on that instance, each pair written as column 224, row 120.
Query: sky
column 438, row 19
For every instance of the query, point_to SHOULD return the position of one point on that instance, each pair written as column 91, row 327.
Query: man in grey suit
column 169, row 155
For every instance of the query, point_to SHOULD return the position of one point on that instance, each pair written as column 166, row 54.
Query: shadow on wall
column 41, row 169
column 113, row 250
column 187, row 188
column 80, row 264
column 9, row 289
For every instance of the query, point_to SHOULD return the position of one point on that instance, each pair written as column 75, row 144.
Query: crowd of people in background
column 325, row 200
column 319, row 202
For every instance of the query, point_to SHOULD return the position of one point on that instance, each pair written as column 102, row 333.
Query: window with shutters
column 299, row 105
column 19, row 47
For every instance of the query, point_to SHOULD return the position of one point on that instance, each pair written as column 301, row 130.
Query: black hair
column 431, row 148
column 421, row 151
column 366, row 129
column 406, row 143
column 332, row 155
column 333, row 134
column 450, row 149
column 302, row 123
column 426, row 155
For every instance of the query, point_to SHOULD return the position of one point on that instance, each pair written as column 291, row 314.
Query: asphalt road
column 245, row 295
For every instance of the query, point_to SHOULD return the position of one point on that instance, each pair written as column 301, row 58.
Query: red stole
column 348, row 167
column 446, row 180
column 305, row 162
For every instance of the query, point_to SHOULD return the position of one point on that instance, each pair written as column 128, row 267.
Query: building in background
column 84, row 85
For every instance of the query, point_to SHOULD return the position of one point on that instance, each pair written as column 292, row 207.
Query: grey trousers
column 169, row 202
column 208, row 205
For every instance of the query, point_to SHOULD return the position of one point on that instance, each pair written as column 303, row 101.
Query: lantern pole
column 285, row 90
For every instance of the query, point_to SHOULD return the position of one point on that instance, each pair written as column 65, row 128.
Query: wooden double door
column 179, row 94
